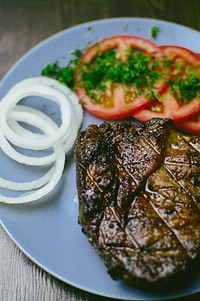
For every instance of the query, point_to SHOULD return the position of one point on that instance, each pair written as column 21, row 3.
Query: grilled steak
column 139, row 199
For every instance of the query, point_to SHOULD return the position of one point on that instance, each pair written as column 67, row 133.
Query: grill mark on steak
column 132, row 170
column 189, row 249
column 139, row 198
column 177, row 158
column 178, row 212
column 187, row 172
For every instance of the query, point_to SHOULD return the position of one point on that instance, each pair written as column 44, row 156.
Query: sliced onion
column 60, row 138
column 11, row 99
column 52, row 176
column 24, row 186
column 20, row 158
column 50, row 82
column 68, row 140
column 35, row 195
column 14, row 124
column 76, row 120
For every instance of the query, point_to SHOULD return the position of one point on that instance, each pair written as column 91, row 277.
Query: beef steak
column 139, row 198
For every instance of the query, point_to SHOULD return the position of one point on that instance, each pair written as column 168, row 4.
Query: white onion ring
column 35, row 195
column 13, row 122
column 11, row 99
column 24, row 186
column 61, row 139
column 68, row 139
column 50, row 82
column 20, row 158
column 54, row 177
column 76, row 120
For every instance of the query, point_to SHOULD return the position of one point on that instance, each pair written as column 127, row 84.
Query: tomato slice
column 191, row 125
column 162, row 109
column 169, row 108
column 177, row 52
column 169, row 105
column 118, row 99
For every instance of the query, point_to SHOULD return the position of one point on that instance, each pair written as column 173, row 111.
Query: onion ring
column 20, row 158
column 11, row 99
column 60, row 138
column 54, row 175
column 76, row 120
column 50, row 82
column 68, row 140
column 24, row 186
column 35, row 195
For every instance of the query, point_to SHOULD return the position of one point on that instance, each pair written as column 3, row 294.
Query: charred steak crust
column 139, row 198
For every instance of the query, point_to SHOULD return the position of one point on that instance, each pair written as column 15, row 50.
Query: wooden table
column 24, row 23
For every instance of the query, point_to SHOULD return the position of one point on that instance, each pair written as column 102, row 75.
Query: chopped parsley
column 187, row 88
column 63, row 74
column 138, row 74
column 138, row 70
column 153, row 31
column 90, row 28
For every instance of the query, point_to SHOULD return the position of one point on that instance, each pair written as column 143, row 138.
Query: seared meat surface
column 139, row 198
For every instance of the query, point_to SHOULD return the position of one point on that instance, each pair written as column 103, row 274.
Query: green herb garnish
column 90, row 28
column 187, row 88
column 153, row 31
column 138, row 70
column 63, row 74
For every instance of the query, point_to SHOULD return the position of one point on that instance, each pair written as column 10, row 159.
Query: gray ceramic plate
column 47, row 231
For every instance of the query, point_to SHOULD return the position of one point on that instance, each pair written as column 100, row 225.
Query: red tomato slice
column 119, row 104
column 162, row 109
column 170, row 107
column 176, row 52
column 191, row 125
column 119, row 109
column 121, row 42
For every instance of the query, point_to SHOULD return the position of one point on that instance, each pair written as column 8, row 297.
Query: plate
column 47, row 231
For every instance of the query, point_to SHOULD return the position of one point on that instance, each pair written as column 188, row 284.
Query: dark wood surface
column 23, row 24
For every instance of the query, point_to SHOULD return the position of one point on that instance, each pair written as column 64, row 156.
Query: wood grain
column 23, row 24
